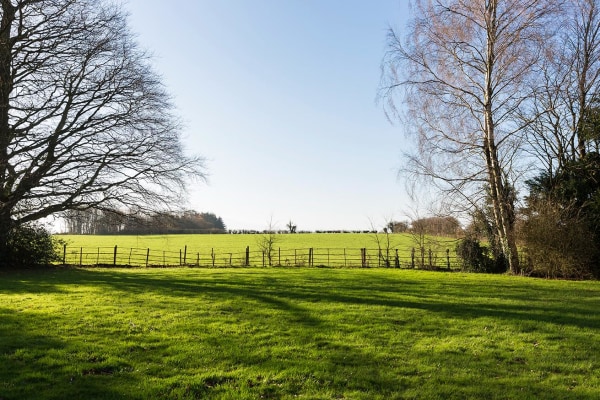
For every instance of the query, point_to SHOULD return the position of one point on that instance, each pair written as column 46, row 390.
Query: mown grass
column 295, row 333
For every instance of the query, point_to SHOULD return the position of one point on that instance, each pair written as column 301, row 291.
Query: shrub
column 558, row 244
column 474, row 257
column 30, row 246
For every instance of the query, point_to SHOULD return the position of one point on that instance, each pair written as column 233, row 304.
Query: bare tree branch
column 464, row 73
column 84, row 120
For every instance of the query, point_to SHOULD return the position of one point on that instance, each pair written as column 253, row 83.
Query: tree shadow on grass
column 292, row 296
column 456, row 299
column 34, row 364
column 338, row 359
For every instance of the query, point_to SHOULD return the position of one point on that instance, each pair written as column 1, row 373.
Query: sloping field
column 337, row 249
column 295, row 333
column 232, row 242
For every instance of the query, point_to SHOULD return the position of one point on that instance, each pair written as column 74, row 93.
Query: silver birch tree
column 463, row 71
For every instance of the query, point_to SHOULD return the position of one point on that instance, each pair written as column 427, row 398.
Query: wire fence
column 420, row 258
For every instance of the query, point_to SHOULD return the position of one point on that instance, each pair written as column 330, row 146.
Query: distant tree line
column 112, row 222
column 283, row 231
column 434, row 226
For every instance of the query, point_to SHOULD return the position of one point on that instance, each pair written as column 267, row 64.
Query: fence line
column 327, row 257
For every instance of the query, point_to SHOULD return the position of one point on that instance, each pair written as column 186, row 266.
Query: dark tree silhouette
column 84, row 120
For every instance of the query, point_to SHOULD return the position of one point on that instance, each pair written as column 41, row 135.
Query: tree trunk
column 5, row 228
column 5, row 90
column 502, row 201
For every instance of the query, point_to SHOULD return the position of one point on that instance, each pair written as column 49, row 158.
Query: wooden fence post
column 448, row 258
column 310, row 257
column 430, row 259
column 397, row 260
column 64, row 254
column 212, row 254
column 185, row 255
column 115, row 256
column 147, row 256
column 247, row 263
column 363, row 257
column 412, row 257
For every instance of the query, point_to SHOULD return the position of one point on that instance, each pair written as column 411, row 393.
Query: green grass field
column 308, row 333
column 292, row 247
column 234, row 242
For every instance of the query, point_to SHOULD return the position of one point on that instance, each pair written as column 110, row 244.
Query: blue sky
column 279, row 97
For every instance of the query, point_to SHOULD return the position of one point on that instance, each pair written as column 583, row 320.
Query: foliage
column 29, row 246
column 474, row 257
column 558, row 244
column 561, row 230
column 482, row 227
column 590, row 124
column 302, row 333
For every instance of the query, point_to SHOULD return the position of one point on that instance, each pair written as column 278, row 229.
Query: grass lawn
column 295, row 333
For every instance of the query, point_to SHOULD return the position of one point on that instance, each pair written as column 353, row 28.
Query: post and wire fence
column 415, row 258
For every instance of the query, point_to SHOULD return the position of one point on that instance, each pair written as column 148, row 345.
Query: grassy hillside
column 236, row 242
column 295, row 333
column 226, row 246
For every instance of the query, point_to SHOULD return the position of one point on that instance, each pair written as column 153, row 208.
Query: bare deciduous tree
column 465, row 69
column 291, row 226
column 267, row 241
column 569, row 83
column 84, row 120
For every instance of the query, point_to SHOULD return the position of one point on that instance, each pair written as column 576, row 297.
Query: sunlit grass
column 230, row 242
column 301, row 333
column 331, row 249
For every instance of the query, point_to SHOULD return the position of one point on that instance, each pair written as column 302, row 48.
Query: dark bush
column 31, row 246
column 474, row 257
column 559, row 243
